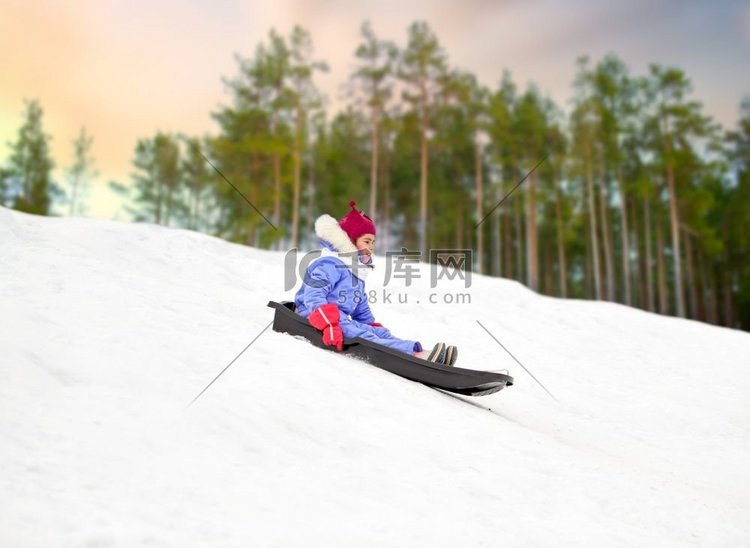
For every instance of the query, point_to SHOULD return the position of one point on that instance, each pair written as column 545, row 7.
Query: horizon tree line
column 635, row 196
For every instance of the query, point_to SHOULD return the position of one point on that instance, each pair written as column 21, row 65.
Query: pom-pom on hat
column 355, row 223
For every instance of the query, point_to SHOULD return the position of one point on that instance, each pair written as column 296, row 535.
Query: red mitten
column 376, row 324
column 326, row 319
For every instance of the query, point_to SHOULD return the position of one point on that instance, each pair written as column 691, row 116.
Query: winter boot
column 451, row 355
column 437, row 355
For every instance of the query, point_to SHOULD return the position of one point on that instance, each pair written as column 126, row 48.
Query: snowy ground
column 109, row 330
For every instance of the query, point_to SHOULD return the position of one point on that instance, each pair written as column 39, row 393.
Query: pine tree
column 675, row 124
column 250, row 147
column 6, row 179
column 584, row 128
column 80, row 173
column 503, row 154
column 614, row 93
column 341, row 161
column 29, row 174
column 556, row 144
column 265, row 79
column 157, row 179
column 373, row 75
column 422, row 68
column 196, row 182
column 737, row 213
column 530, row 132
column 304, row 98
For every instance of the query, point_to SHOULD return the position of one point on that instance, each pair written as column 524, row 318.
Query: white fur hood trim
column 327, row 228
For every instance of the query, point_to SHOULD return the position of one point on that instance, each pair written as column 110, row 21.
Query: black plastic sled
column 468, row 382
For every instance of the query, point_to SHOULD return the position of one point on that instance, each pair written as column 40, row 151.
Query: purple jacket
column 329, row 279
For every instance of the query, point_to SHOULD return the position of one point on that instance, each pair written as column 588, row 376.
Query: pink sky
column 127, row 69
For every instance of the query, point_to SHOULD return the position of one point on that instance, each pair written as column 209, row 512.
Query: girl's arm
column 324, row 316
column 319, row 279
column 362, row 312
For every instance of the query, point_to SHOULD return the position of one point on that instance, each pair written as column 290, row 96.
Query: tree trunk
column 480, row 195
column 660, row 269
column 562, row 268
column 675, row 224
column 637, row 274
column 276, row 164
column 460, row 228
column 192, row 205
column 693, row 299
column 728, row 301
column 592, row 224
column 589, row 291
column 375, row 148
column 520, row 274
column 650, row 304
column 311, row 192
column 643, row 278
column 532, row 240
column 508, row 243
column 609, row 266
column 169, row 198
column 423, row 176
column 497, row 249
column 255, row 175
column 700, row 266
column 297, row 163
column 386, row 178
column 548, row 270
column 713, row 298
column 73, row 195
column 159, row 198
column 625, row 234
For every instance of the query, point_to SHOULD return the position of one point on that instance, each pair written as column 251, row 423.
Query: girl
column 333, row 296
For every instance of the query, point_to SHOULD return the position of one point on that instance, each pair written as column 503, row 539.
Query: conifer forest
column 630, row 193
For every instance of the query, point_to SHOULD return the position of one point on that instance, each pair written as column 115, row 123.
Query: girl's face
column 365, row 245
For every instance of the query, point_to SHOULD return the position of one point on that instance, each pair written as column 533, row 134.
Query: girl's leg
column 356, row 329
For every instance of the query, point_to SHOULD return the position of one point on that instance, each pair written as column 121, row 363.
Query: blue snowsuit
column 330, row 280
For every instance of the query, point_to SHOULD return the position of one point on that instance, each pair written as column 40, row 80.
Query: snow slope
column 109, row 330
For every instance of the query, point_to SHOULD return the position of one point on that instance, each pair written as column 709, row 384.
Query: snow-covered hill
column 108, row 331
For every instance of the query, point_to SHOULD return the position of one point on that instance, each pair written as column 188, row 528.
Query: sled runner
column 468, row 382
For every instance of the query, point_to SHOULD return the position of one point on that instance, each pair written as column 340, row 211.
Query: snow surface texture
column 109, row 330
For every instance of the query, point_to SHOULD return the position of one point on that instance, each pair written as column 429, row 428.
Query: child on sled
column 333, row 296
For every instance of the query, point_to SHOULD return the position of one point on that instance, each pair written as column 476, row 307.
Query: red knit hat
column 355, row 223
